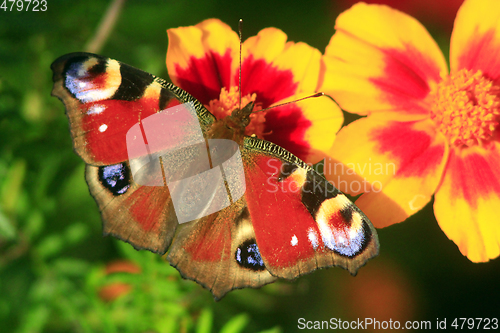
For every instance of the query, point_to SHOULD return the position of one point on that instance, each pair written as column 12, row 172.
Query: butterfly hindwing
column 219, row 251
column 140, row 215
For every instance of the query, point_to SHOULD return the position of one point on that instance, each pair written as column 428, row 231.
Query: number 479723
column 24, row 5
column 475, row 323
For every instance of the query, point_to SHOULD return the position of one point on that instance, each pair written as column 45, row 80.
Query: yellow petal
column 267, row 45
column 381, row 59
column 312, row 137
column 397, row 164
column 467, row 203
column 326, row 120
column 475, row 41
column 303, row 60
column 218, row 36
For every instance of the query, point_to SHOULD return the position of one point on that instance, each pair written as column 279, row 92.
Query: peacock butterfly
column 287, row 222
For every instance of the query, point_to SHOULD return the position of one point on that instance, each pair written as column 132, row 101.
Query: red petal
column 200, row 58
column 467, row 202
column 381, row 60
column 270, row 83
column 475, row 41
column 205, row 77
column 406, row 146
column 406, row 77
column 287, row 126
column 399, row 164
column 474, row 175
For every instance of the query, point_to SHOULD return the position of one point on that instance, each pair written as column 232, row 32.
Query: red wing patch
column 301, row 221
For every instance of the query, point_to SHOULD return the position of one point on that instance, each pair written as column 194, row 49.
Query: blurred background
column 57, row 272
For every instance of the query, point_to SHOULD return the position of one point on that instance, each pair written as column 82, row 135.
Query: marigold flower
column 204, row 60
column 427, row 131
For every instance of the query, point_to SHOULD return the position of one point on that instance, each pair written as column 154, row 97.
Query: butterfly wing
column 301, row 221
column 104, row 99
column 216, row 251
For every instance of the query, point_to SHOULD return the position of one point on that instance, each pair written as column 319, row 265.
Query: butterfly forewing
column 104, row 99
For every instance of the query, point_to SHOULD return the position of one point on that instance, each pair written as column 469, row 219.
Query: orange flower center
column 466, row 108
column 230, row 100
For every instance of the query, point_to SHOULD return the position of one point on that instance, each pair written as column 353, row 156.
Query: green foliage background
column 52, row 255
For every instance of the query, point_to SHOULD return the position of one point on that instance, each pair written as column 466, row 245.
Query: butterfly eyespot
column 350, row 240
column 345, row 243
column 115, row 178
column 91, row 79
column 347, row 214
column 247, row 255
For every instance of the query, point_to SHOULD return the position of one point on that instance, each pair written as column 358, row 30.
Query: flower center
column 229, row 101
column 466, row 108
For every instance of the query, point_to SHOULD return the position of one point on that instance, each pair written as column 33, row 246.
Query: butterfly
column 285, row 221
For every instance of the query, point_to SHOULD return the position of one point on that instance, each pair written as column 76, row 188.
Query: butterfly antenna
column 240, row 28
column 295, row 101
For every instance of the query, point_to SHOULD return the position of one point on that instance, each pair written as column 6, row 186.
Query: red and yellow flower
column 204, row 60
column 428, row 131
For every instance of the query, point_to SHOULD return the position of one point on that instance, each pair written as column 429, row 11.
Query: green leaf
column 12, row 186
column 275, row 329
column 35, row 319
column 71, row 266
column 236, row 324
column 34, row 224
column 205, row 321
column 167, row 324
column 7, row 230
column 76, row 232
column 32, row 106
column 50, row 246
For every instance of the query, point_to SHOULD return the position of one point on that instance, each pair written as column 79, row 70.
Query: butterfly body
column 288, row 221
column 233, row 126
